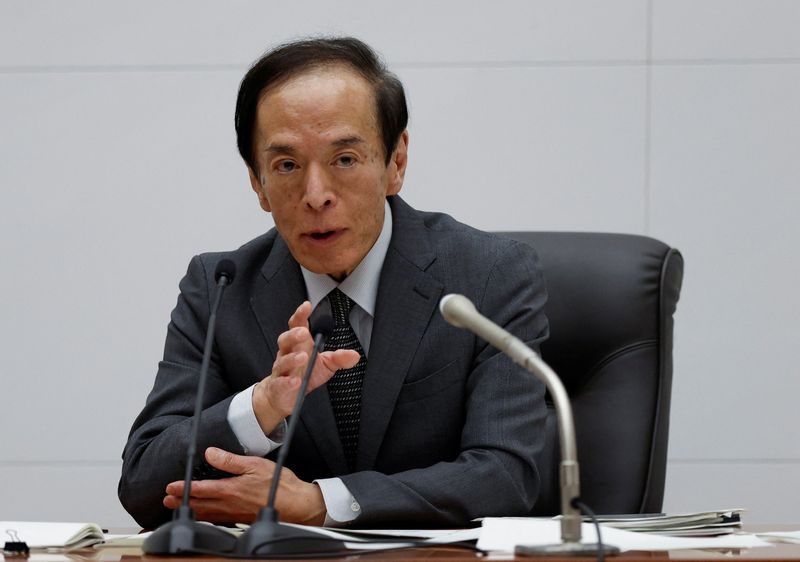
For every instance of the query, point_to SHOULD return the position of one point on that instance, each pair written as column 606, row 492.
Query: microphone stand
column 459, row 311
column 184, row 534
column 266, row 537
column 570, row 544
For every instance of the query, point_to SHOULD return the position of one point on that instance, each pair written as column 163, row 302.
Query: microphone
column 184, row 535
column 459, row 311
column 266, row 537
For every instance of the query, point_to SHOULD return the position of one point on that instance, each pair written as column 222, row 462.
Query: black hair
column 294, row 58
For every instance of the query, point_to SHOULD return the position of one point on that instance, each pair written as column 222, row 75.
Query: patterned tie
column 345, row 385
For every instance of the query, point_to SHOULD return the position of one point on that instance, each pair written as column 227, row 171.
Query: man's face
column 321, row 167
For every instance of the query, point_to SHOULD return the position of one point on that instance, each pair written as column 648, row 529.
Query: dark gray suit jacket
column 450, row 429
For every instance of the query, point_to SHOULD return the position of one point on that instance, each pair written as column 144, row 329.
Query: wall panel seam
column 735, row 461
column 60, row 464
column 611, row 63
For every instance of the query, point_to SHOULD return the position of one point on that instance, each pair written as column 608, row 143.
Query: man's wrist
column 340, row 505
column 248, row 431
column 268, row 419
column 317, row 507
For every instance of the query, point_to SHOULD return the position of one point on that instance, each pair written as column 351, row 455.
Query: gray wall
column 678, row 119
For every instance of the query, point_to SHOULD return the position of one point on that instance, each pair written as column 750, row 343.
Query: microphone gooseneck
column 266, row 537
column 323, row 326
column 184, row 535
column 460, row 312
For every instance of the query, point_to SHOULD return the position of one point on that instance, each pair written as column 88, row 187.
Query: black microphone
column 184, row 535
column 266, row 537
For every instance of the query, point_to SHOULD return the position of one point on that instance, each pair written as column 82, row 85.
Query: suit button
column 354, row 506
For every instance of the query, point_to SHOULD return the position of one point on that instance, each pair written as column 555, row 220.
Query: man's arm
column 154, row 458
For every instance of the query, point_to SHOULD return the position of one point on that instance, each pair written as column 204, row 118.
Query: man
column 410, row 421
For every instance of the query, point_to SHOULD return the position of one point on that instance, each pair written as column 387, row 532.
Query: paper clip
column 15, row 547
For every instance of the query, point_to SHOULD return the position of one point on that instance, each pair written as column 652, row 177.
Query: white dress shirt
column 362, row 287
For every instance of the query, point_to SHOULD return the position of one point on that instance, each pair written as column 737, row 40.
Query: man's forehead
column 284, row 146
column 333, row 103
column 340, row 72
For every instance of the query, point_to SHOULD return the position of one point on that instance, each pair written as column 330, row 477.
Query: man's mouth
column 322, row 235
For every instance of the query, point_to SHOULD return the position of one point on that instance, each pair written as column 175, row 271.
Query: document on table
column 46, row 535
column 705, row 523
column 501, row 534
column 792, row 537
column 358, row 539
column 434, row 536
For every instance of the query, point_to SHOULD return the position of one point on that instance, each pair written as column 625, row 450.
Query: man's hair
column 292, row 59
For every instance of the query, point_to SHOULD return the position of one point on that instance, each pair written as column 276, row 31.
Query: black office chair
column 610, row 306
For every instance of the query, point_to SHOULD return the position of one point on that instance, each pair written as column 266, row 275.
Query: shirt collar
column 362, row 284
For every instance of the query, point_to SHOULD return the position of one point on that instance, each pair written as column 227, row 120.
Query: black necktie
column 345, row 385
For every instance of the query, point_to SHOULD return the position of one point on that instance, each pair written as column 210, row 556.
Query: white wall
column 674, row 118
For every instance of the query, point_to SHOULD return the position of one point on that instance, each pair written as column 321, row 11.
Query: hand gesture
column 274, row 397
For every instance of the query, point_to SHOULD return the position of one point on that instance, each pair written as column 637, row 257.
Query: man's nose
column 318, row 192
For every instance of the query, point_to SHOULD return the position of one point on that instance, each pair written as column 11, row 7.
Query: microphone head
column 225, row 268
column 322, row 325
column 455, row 307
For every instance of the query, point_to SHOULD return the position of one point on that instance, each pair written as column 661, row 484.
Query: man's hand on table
column 238, row 499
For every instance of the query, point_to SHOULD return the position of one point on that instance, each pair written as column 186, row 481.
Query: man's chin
column 332, row 269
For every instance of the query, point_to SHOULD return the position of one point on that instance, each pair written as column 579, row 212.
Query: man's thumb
column 226, row 461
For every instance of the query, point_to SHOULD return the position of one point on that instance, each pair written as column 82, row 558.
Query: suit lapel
column 282, row 291
column 407, row 298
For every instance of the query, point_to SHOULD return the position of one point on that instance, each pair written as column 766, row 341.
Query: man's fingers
column 300, row 317
column 339, row 359
column 172, row 502
column 200, row 489
column 214, row 510
column 293, row 338
column 227, row 461
column 291, row 363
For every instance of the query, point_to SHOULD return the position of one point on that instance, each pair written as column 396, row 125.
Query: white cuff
column 341, row 505
column 244, row 424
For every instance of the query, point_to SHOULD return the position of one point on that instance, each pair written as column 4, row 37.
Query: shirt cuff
column 244, row 424
column 342, row 507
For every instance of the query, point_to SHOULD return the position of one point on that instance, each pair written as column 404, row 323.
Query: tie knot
column 340, row 307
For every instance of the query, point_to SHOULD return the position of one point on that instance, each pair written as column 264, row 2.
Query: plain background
column 678, row 119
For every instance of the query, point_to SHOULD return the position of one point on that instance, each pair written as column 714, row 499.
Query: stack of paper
column 503, row 535
column 39, row 535
column 706, row 523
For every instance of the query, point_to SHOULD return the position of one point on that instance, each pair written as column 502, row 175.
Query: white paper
column 436, row 536
column 500, row 534
column 350, row 542
column 53, row 535
column 124, row 540
column 792, row 537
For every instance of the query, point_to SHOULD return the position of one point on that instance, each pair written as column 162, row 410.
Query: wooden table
column 780, row 552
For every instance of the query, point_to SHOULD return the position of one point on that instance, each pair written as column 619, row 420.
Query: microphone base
column 184, row 535
column 267, row 538
column 566, row 549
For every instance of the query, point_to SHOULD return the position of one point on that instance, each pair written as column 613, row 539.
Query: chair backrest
column 611, row 298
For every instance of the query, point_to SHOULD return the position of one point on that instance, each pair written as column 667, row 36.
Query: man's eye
column 286, row 166
column 345, row 161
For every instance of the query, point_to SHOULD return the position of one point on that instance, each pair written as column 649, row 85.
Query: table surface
column 133, row 554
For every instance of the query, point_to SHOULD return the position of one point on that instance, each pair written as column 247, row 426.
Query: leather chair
column 611, row 298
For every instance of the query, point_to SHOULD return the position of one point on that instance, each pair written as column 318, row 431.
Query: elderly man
column 408, row 421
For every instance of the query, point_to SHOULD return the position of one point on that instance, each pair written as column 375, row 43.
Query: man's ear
column 397, row 165
column 257, row 186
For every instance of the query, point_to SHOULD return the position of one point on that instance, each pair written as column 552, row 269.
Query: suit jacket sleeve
column 495, row 472
column 155, row 453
